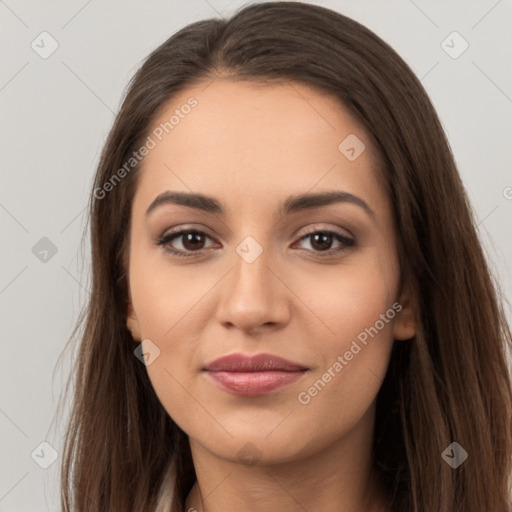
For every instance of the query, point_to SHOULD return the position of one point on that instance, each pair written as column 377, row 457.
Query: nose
column 253, row 296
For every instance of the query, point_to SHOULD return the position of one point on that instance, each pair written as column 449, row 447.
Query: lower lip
column 254, row 383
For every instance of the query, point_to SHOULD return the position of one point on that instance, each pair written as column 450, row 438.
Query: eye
column 192, row 241
column 321, row 241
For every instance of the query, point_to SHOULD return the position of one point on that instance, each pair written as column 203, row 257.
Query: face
column 259, row 272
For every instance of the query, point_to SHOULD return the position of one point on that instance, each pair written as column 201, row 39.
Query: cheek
column 345, row 300
column 341, row 391
column 166, row 295
column 353, row 337
column 173, row 306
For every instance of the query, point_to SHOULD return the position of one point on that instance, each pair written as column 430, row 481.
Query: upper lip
column 254, row 363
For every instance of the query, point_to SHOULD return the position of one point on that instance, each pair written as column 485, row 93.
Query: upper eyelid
column 320, row 227
column 326, row 228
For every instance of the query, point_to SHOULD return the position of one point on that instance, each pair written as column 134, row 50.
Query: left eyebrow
column 292, row 204
column 309, row 201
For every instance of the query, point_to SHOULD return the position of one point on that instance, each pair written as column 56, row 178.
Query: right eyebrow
column 197, row 201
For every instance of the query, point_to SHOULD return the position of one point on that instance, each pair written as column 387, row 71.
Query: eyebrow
column 292, row 204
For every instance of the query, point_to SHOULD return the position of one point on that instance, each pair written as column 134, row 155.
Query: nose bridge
column 251, row 267
column 252, row 295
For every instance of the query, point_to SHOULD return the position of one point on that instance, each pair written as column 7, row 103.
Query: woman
column 290, row 307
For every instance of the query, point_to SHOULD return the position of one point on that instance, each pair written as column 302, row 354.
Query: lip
column 255, row 363
column 255, row 375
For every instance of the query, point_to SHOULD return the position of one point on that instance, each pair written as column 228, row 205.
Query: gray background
column 56, row 113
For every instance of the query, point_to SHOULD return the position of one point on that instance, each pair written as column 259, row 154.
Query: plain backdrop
column 57, row 110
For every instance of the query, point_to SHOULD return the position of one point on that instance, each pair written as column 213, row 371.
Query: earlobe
column 132, row 322
column 406, row 320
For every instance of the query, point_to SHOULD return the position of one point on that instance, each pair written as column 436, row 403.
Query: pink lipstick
column 260, row 374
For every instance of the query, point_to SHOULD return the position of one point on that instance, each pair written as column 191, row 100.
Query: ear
column 132, row 322
column 406, row 319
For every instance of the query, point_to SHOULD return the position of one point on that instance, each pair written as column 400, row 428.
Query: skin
column 251, row 146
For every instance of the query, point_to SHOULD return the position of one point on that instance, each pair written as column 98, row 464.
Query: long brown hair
column 449, row 383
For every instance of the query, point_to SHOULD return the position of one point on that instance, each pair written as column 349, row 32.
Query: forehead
column 249, row 142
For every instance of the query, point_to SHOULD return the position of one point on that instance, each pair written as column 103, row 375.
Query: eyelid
column 185, row 227
column 325, row 227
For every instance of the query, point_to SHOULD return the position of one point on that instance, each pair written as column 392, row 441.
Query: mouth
column 257, row 375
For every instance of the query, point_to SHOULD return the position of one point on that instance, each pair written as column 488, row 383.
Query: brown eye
column 321, row 242
column 192, row 241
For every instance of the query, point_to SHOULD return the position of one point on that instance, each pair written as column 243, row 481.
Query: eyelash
column 166, row 239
